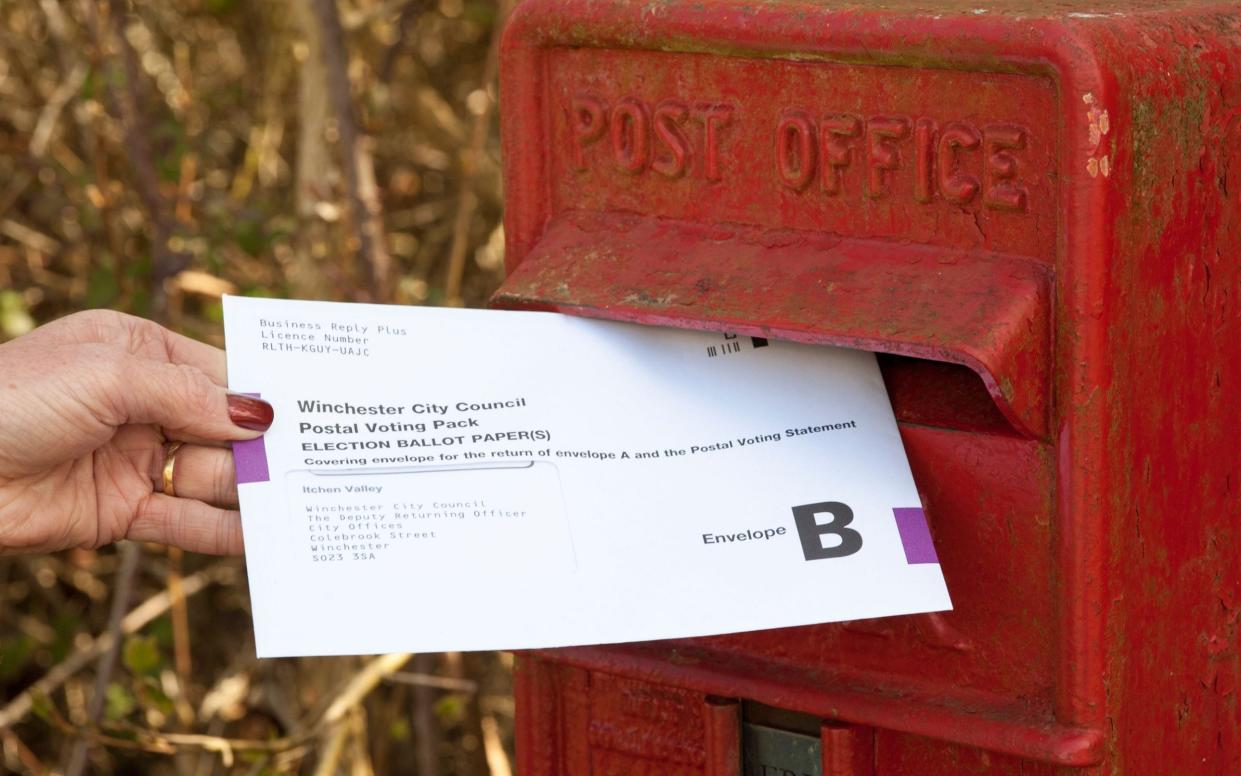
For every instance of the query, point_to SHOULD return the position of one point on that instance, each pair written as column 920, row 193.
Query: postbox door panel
column 973, row 432
column 591, row 723
column 897, row 754
column 912, row 211
column 1031, row 202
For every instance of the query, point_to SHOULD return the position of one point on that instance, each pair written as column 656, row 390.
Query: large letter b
column 811, row 530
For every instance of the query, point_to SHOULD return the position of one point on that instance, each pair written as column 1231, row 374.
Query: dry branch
column 362, row 683
column 334, row 747
column 131, row 553
column 15, row 749
column 51, row 111
column 426, row 729
column 130, row 103
column 362, row 764
column 471, row 160
column 497, row 759
column 311, row 274
column 29, row 237
column 335, row 717
column 359, row 168
column 438, row 682
column 214, row 98
column 137, row 619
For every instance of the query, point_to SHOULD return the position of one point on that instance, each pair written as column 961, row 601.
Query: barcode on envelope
column 732, row 344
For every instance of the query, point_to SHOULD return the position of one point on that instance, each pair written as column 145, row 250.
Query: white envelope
column 465, row 479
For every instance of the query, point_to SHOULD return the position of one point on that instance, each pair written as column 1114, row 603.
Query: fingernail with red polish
column 249, row 412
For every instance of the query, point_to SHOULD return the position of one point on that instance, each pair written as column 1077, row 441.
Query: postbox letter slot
column 940, row 394
column 985, row 313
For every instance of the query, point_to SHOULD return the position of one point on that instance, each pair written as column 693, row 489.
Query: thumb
column 184, row 401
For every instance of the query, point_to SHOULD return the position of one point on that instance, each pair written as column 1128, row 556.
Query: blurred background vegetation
column 154, row 155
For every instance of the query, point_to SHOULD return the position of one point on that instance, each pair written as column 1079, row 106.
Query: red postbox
column 1033, row 213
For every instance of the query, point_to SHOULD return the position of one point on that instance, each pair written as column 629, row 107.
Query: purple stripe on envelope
column 250, row 458
column 915, row 535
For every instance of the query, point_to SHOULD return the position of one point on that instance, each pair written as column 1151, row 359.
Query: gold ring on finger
column 170, row 465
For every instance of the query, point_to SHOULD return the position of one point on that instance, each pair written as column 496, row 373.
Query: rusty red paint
column 848, row 750
column 1036, row 210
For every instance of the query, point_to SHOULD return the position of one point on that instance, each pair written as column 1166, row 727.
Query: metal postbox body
column 1033, row 213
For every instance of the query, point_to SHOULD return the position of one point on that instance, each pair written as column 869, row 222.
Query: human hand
column 87, row 405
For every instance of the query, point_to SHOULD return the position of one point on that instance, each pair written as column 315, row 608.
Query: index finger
column 207, row 359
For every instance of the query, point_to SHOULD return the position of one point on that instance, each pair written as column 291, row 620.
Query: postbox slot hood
column 987, row 312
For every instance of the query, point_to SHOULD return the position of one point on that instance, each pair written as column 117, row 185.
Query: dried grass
column 153, row 156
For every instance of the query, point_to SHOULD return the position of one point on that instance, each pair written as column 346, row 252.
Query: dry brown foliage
column 155, row 155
